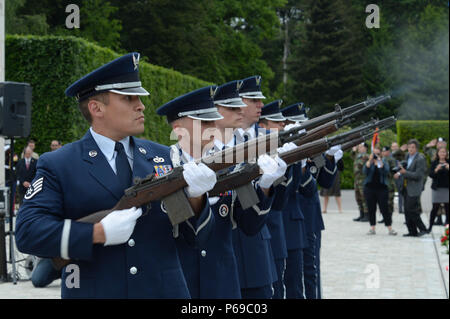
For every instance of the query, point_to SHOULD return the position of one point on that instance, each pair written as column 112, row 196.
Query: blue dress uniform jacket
column 275, row 219
column 77, row 181
column 293, row 218
column 211, row 269
column 254, row 254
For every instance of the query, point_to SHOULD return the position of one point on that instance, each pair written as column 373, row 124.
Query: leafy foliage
column 423, row 131
column 50, row 64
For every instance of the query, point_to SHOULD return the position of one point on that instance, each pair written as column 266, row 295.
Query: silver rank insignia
column 35, row 188
column 142, row 150
column 158, row 159
column 136, row 61
column 223, row 210
column 92, row 153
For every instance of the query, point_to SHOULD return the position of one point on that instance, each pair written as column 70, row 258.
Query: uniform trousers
column 318, row 245
column 293, row 275
column 265, row 292
column 309, row 267
column 278, row 286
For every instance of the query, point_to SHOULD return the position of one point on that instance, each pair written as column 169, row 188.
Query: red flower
column 444, row 239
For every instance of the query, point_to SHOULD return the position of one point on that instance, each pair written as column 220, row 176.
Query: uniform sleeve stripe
column 38, row 181
column 65, row 239
column 330, row 172
column 259, row 211
column 307, row 182
column 287, row 183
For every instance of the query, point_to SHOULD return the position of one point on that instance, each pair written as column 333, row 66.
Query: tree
column 326, row 66
column 211, row 40
column 16, row 23
column 97, row 23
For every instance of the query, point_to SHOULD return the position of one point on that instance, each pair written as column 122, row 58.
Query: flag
column 375, row 139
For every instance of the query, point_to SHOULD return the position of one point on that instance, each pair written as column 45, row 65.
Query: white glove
column 272, row 169
column 304, row 162
column 200, row 179
column 289, row 126
column 338, row 155
column 119, row 225
column 286, row 147
column 333, row 150
column 213, row 200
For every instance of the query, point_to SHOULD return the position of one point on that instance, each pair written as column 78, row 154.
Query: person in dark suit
column 127, row 254
column 26, row 170
column 413, row 175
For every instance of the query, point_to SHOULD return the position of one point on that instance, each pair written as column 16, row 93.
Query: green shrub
column 50, row 64
column 423, row 131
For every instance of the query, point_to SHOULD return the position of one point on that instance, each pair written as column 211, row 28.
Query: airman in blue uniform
column 309, row 202
column 272, row 119
column 130, row 253
column 257, row 271
column 210, row 269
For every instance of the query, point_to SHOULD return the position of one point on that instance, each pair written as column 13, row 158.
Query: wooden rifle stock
column 251, row 171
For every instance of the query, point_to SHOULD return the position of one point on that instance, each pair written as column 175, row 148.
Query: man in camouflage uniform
column 359, row 158
column 386, row 154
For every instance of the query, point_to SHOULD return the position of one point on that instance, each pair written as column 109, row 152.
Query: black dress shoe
column 357, row 219
column 423, row 232
column 381, row 221
column 409, row 235
column 364, row 219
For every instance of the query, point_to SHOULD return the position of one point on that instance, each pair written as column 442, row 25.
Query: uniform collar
column 107, row 145
column 251, row 132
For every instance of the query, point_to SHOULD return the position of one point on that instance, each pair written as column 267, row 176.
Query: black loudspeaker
column 15, row 109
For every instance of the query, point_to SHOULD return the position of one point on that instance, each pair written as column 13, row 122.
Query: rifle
column 248, row 172
column 340, row 114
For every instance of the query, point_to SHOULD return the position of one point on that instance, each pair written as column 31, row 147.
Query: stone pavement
column 354, row 265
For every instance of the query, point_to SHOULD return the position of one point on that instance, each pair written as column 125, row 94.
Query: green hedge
column 423, row 131
column 50, row 64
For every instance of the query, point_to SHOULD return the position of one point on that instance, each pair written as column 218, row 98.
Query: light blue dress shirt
column 107, row 145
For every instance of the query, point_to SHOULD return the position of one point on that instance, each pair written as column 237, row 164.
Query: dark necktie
column 122, row 166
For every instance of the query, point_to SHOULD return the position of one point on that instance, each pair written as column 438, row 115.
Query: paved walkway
column 354, row 265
